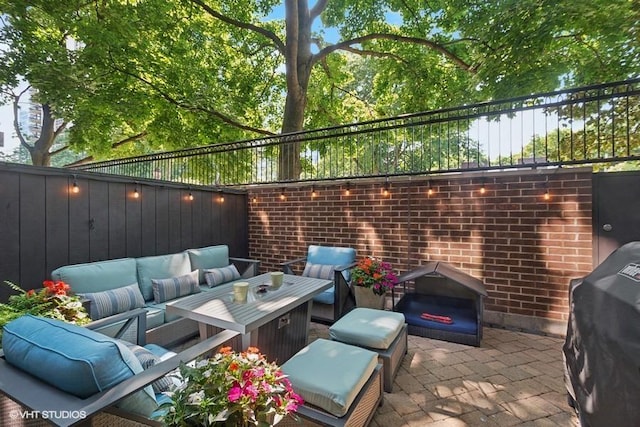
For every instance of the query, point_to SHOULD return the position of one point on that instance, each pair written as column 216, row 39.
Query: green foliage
column 183, row 73
column 50, row 301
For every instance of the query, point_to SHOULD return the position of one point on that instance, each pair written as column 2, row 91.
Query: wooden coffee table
column 277, row 322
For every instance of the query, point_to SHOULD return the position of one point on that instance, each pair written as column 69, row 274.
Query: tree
column 170, row 74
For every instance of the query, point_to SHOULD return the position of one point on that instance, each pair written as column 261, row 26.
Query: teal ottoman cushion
column 97, row 276
column 209, row 257
column 368, row 327
column 160, row 267
column 330, row 374
column 76, row 360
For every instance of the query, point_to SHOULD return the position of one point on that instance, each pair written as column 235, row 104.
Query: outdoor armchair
column 331, row 263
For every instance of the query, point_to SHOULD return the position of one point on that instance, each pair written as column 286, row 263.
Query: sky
column 6, row 126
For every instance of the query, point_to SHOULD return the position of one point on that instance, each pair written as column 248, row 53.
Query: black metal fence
column 597, row 124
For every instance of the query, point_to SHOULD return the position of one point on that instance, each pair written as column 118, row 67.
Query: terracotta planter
column 366, row 298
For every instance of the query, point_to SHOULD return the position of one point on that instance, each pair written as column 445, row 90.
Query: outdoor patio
column 513, row 379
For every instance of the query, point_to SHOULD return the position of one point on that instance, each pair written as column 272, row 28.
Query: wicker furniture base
column 392, row 358
column 359, row 415
column 436, row 334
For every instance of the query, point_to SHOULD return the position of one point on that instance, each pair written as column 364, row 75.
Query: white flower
column 195, row 398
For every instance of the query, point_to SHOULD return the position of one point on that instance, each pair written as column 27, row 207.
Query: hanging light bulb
column 430, row 189
column 313, row 192
column 190, row 196
column 221, row 196
column 385, row 189
column 347, row 190
column 136, row 194
column 74, row 187
column 282, row 196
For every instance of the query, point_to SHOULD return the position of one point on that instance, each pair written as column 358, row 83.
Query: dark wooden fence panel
column 148, row 221
column 97, row 224
column 9, row 231
column 56, row 226
column 44, row 225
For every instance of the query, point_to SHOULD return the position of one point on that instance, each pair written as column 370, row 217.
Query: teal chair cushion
column 160, row 267
column 335, row 255
column 367, row 327
column 330, row 374
column 98, row 276
column 209, row 257
column 73, row 359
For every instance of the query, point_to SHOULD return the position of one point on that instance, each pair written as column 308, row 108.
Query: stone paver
column 513, row 379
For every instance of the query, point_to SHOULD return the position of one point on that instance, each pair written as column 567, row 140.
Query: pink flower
column 235, row 392
column 250, row 390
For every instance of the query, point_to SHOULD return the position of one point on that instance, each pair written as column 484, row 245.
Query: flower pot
column 366, row 298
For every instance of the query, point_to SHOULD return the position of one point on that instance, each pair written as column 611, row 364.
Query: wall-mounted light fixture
column 74, row 187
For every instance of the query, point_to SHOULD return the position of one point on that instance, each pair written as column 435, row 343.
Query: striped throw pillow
column 319, row 271
column 174, row 287
column 218, row 276
column 114, row 301
column 147, row 359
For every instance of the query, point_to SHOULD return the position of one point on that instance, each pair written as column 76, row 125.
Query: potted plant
column 233, row 390
column 53, row 300
column 371, row 279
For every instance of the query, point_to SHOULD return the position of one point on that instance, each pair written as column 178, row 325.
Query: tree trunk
column 40, row 155
column 298, row 68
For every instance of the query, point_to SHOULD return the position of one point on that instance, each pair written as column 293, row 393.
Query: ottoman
column 384, row 332
column 341, row 384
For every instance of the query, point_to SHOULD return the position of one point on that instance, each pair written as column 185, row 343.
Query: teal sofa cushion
column 330, row 374
column 73, row 359
column 160, row 267
column 367, row 327
column 98, row 276
column 208, row 257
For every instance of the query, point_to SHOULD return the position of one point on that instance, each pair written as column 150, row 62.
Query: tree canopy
column 170, row 74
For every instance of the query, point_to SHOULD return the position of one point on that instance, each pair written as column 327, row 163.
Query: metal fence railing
column 598, row 124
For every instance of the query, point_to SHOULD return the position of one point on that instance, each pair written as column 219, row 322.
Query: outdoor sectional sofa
column 115, row 286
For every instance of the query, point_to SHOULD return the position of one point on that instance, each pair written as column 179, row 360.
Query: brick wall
column 524, row 247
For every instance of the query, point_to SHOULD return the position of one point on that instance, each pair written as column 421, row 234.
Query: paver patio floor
column 513, row 379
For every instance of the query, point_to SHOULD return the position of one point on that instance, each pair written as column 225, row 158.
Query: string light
column 282, row 196
column 74, row 187
column 220, row 196
column 430, row 189
column 136, row 194
column 190, row 196
column 313, row 192
column 546, row 195
column 347, row 190
column 385, row 189
column 482, row 187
